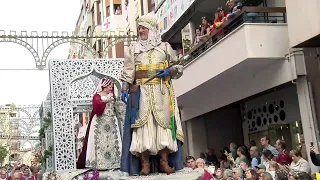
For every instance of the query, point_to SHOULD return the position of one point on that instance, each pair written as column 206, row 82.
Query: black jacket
column 315, row 158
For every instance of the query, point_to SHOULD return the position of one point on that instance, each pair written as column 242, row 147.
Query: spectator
column 218, row 174
column 204, row 29
column 265, row 176
column 241, row 156
column 3, row 174
column 303, row 148
column 197, row 37
column 219, row 20
column 265, row 143
column 261, row 168
column 235, row 6
column 267, row 157
column 211, row 157
column 256, row 160
column 179, row 52
column 315, row 155
column 298, row 163
column 283, row 157
column 237, row 174
column 201, row 165
column 118, row 10
column 227, row 174
column 251, row 175
column 233, row 150
column 191, row 162
column 273, row 167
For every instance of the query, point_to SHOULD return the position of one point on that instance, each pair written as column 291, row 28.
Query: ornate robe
column 152, row 130
column 103, row 141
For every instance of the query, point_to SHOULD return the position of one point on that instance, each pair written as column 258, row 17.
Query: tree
column 3, row 153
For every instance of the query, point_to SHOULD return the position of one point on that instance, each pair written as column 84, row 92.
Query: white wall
column 197, row 136
column 248, row 41
column 303, row 20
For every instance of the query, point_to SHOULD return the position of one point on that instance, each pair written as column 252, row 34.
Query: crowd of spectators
column 20, row 172
column 270, row 162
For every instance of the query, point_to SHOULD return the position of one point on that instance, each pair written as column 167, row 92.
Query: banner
column 170, row 11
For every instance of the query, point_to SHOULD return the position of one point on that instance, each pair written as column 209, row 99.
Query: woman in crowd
column 219, row 174
column 242, row 156
column 267, row 157
column 298, row 163
column 265, row 176
column 204, row 29
column 251, row 174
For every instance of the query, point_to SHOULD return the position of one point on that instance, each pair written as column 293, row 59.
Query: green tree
column 3, row 153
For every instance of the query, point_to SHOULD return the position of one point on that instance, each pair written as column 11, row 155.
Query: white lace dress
column 105, row 140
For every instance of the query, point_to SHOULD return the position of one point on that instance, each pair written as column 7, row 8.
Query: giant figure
column 152, row 131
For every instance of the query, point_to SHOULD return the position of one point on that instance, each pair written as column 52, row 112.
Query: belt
column 145, row 74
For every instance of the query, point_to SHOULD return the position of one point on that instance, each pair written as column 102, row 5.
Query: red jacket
column 284, row 158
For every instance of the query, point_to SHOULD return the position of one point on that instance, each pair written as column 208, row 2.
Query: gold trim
column 180, row 135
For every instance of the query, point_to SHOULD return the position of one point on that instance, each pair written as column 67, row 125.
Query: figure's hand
column 124, row 96
column 164, row 73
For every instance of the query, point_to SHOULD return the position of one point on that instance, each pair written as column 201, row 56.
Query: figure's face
column 143, row 32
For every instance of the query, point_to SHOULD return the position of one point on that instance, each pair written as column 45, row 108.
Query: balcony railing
column 246, row 15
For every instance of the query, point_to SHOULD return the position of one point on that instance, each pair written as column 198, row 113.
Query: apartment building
column 256, row 75
column 9, row 120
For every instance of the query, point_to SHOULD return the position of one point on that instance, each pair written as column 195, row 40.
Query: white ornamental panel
column 63, row 73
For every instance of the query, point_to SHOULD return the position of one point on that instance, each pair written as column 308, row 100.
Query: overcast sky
column 31, row 87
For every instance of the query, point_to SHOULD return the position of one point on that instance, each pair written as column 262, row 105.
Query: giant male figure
column 153, row 135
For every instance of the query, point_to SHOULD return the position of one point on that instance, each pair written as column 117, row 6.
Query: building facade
column 253, row 76
column 9, row 120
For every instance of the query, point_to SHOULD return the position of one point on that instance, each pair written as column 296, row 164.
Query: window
column 117, row 9
column 151, row 5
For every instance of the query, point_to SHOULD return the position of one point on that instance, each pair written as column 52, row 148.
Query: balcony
column 246, row 59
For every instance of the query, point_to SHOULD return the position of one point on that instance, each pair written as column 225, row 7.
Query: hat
column 149, row 21
column 261, row 166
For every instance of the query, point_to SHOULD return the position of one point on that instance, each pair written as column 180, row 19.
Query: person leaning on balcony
column 235, row 6
column 221, row 17
column 205, row 29
column 197, row 37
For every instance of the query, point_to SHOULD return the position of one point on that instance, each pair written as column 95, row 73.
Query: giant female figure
column 102, row 144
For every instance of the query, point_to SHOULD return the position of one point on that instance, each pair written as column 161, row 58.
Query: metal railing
column 246, row 15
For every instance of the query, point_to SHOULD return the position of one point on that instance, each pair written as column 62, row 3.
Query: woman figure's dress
column 103, row 141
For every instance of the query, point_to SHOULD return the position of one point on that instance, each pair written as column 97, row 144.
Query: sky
column 31, row 87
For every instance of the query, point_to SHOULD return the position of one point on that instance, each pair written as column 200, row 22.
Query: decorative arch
column 46, row 53
column 99, row 75
column 62, row 73
column 24, row 44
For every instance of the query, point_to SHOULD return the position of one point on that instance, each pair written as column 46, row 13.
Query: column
column 307, row 116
